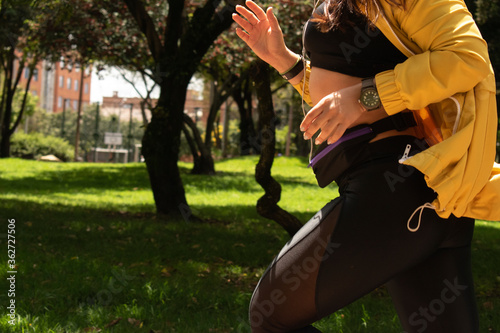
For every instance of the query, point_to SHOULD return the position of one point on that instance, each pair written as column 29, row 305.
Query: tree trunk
column 192, row 146
column 7, row 108
column 79, row 113
column 204, row 163
column 160, row 147
column 267, row 205
column 5, row 126
column 176, row 55
column 11, row 84
column 5, row 145
column 248, row 138
column 218, row 96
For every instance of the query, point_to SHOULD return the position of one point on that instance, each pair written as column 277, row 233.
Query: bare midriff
column 323, row 82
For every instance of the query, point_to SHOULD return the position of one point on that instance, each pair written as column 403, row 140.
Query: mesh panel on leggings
column 290, row 280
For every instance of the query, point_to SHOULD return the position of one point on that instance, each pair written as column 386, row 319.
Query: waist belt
column 328, row 154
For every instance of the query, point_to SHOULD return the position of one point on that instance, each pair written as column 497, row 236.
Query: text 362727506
column 12, row 270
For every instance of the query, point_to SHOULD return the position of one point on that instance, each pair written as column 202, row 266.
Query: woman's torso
column 340, row 59
column 323, row 82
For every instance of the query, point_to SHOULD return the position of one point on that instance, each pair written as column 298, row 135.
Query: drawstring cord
column 421, row 209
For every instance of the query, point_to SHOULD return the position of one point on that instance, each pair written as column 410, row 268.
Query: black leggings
column 360, row 241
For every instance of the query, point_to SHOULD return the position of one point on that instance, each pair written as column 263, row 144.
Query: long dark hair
column 338, row 13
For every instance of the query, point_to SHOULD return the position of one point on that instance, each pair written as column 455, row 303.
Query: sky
column 110, row 80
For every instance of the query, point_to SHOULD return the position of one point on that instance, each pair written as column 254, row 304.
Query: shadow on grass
column 82, row 268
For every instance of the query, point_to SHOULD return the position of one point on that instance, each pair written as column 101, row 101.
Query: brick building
column 196, row 107
column 57, row 83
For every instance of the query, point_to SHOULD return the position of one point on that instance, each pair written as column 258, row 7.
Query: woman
column 403, row 95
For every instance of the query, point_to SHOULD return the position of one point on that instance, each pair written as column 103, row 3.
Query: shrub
column 35, row 145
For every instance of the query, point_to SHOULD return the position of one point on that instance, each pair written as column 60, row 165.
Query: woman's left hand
column 333, row 114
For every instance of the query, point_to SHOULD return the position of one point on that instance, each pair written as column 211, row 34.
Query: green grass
column 92, row 256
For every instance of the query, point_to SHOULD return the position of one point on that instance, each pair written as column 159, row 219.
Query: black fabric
column 360, row 241
column 344, row 157
column 361, row 51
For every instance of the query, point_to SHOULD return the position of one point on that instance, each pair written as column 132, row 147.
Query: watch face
column 370, row 99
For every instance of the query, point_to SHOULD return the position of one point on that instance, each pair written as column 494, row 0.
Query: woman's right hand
column 260, row 30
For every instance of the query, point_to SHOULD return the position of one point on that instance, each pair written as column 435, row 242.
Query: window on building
column 26, row 73
column 34, row 92
column 35, row 75
column 61, row 81
column 75, row 104
column 76, row 85
column 86, row 88
column 59, row 102
column 68, row 84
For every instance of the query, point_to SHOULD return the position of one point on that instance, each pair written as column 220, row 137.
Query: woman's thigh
column 356, row 243
column 437, row 295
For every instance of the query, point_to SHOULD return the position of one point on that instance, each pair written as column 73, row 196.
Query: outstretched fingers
column 257, row 10
column 249, row 16
column 242, row 22
column 273, row 21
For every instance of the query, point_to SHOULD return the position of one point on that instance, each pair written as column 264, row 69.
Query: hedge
column 35, row 145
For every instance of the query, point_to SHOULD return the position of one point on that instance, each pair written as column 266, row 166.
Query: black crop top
column 359, row 51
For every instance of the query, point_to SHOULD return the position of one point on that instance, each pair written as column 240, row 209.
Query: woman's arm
column 454, row 56
column 260, row 30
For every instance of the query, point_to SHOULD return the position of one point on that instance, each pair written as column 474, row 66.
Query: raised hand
column 260, row 30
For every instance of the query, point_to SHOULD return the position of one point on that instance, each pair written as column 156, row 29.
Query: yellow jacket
column 448, row 70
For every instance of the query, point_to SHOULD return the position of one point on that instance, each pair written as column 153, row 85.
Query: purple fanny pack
column 346, row 137
column 332, row 160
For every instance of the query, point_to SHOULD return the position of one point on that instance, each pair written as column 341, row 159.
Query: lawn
column 91, row 256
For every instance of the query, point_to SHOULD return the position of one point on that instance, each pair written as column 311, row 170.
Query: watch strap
column 294, row 70
column 368, row 83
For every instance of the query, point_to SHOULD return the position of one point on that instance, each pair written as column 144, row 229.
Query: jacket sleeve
column 303, row 86
column 453, row 57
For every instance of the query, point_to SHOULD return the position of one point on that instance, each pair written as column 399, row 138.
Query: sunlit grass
column 92, row 256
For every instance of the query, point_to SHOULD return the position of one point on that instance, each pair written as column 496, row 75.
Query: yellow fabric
column 304, row 90
column 448, row 70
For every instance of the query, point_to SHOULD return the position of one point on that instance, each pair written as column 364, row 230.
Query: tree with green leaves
column 82, row 31
column 177, row 44
column 16, row 56
column 166, row 39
